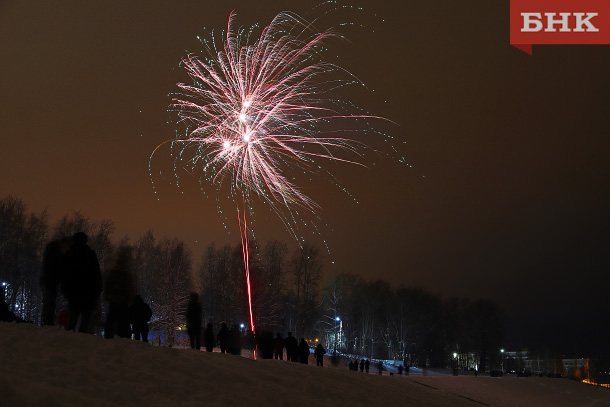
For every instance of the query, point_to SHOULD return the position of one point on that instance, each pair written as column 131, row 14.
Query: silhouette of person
column 118, row 293
column 355, row 365
column 351, row 365
column 209, row 339
column 278, row 347
column 139, row 315
column 265, row 344
column 234, row 340
column 50, row 278
column 400, row 370
column 380, row 367
column 292, row 348
column 303, row 352
column 193, row 321
column 362, row 365
column 223, row 338
column 366, row 365
column 82, row 282
column 320, row 351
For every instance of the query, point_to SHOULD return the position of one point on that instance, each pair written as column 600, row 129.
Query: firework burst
column 261, row 107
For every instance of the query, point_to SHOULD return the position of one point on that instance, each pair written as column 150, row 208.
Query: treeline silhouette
column 345, row 312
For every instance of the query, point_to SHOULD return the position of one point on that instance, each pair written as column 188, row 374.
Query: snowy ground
column 51, row 367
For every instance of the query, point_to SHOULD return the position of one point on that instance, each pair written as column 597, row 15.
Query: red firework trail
column 246, row 253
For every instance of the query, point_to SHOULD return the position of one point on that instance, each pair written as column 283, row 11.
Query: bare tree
column 222, row 282
column 146, row 269
column 268, row 285
column 174, row 285
column 306, row 269
column 339, row 302
column 205, row 282
column 22, row 238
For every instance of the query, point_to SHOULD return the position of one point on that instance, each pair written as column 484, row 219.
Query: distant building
column 523, row 360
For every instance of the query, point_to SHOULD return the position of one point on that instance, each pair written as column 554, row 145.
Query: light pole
column 337, row 319
column 502, row 360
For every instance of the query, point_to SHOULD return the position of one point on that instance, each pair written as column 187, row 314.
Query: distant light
column 242, row 117
column 338, row 319
column 502, row 350
column 241, row 326
column 454, row 355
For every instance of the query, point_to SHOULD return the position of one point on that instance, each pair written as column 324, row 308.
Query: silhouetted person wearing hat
column 139, row 315
column 82, row 282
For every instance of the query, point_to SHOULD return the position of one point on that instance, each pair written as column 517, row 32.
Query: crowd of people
column 81, row 283
column 364, row 366
column 233, row 340
column 71, row 267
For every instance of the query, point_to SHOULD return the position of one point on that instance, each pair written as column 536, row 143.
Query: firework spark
column 261, row 106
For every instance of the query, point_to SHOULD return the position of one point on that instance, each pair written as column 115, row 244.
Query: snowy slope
column 51, row 367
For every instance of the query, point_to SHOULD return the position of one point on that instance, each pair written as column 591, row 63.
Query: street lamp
column 502, row 362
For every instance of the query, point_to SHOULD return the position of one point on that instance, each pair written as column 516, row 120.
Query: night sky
column 506, row 196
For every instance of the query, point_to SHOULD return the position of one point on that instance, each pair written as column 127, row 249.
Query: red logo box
column 559, row 22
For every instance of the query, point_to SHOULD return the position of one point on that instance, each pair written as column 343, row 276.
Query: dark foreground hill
column 51, row 367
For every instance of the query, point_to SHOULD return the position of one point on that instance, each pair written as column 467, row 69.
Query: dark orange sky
column 507, row 197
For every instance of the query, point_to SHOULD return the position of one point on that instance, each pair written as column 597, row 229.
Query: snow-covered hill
column 51, row 367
